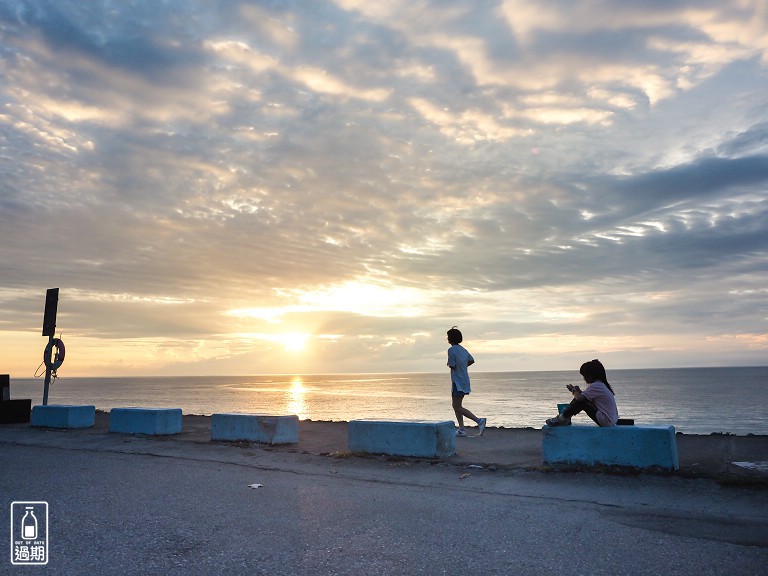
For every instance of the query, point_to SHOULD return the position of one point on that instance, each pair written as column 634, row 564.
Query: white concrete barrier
column 631, row 446
column 256, row 428
column 420, row 438
column 151, row 421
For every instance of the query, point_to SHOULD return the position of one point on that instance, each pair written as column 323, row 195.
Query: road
column 190, row 509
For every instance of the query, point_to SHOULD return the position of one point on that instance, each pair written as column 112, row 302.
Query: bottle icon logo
column 29, row 533
column 29, row 524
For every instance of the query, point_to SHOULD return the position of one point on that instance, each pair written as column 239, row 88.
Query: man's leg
column 457, row 409
column 460, row 411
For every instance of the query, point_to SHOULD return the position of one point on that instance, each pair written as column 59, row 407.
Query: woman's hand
column 575, row 392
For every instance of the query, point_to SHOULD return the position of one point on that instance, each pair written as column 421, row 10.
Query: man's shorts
column 456, row 393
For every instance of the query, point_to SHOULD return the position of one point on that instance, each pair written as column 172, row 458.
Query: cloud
column 378, row 172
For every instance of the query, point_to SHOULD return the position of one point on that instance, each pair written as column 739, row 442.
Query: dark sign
column 49, row 320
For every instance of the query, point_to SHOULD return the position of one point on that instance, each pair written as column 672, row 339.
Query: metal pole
column 49, row 329
column 47, row 359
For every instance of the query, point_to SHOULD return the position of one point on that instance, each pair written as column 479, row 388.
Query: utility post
column 49, row 329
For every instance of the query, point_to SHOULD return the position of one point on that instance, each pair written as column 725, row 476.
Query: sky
column 242, row 187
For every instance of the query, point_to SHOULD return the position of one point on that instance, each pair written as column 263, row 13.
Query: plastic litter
column 761, row 467
column 255, row 485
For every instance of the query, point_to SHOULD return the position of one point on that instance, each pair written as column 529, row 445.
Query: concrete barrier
column 151, row 421
column 255, row 428
column 403, row 437
column 631, row 446
column 12, row 411
column 15, row 411
column 63, row 416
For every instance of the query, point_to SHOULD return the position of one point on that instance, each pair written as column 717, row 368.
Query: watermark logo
column 29, row 533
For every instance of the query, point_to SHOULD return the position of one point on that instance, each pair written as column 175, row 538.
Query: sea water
column 694, row 400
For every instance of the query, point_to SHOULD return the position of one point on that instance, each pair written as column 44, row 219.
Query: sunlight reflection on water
column 297, row 399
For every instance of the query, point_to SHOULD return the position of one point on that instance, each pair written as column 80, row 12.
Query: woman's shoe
column 559, row 420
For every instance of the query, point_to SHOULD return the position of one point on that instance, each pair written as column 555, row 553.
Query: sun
column 293, row 342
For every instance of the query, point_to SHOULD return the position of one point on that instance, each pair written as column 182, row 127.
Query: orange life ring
column 58, row 359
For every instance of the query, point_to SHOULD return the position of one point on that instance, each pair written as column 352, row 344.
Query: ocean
column 694, row 400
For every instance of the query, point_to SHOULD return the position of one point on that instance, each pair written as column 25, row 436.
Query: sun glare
column 361, row 297
column 295, row 342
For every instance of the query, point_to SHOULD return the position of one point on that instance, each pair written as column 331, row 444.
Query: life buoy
column 58, row 359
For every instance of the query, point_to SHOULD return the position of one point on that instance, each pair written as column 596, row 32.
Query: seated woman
column 597, row 400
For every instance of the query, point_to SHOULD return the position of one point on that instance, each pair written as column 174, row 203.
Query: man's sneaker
column 461, row 432
column 481, row 426
column 559, row 420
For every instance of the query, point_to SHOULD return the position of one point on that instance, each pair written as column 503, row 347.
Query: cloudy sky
column 242, row 187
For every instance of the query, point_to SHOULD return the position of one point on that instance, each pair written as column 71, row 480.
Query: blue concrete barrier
column 631, row 446
column 255, row 428
column 151, row 421
column 403, row 437
column 63, row 416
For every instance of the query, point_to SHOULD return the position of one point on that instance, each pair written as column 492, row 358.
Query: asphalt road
column 189, row 509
